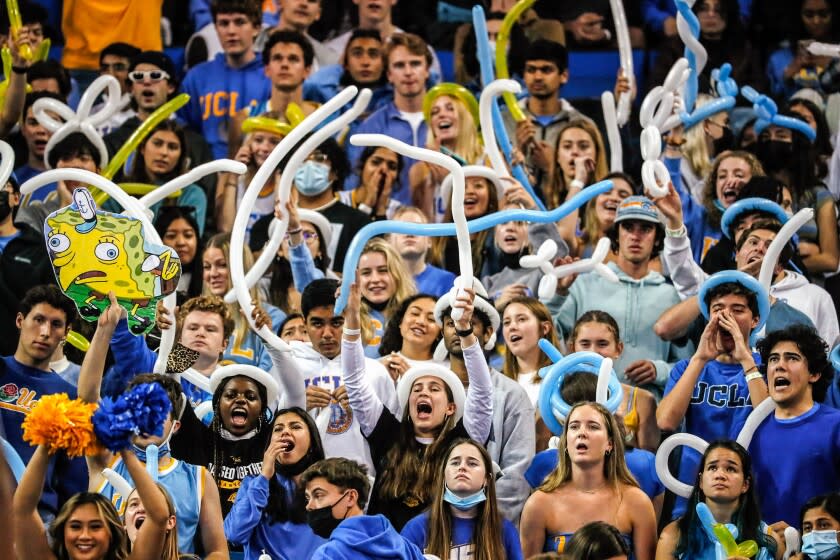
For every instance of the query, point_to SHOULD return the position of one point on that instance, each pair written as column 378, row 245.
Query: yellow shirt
column 91, row 25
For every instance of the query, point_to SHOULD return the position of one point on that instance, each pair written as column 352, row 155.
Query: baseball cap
column 638, row 208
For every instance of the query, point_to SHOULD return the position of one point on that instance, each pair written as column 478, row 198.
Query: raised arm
column 478, row 409
column 287, row 373
column 300, row 259
column 210, row 521
column 7, row 546
column 16, row 92
column 29, row 532
column 364, row 401
column 90, row 379
column 149, row 542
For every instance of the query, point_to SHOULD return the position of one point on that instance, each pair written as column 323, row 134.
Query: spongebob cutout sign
column 95, row 252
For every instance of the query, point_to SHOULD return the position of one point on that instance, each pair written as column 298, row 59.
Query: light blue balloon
column 13, row 459
column 152, row 453
column 767, row 112
column 726, row 88
column 745, row 280
column 371, row 230
column 485, row 61
column 691, row 86
column 552, row 405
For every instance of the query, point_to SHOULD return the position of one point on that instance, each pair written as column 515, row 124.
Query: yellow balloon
column 142, row 189
column 15, row 23
column 451, row 90
column 265, row 124
column 502, row 40
column 43, row 51
column 6, row 55
column 294, row 114
column 747, row 549
column 78, row 341
column 160, row 114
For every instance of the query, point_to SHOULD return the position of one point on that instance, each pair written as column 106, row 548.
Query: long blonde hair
column 543, row 315
column 221, row 241
column 696, row 149
column 467, row 143
column 616, row 472
column 404, row 285
column 558, row 187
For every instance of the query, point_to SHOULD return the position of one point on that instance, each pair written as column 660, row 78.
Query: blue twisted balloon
column 691, row 86
column 767, row 112
column 727, row 90
column 835, row 357
column 13, row 459
column 552, row 405
column 485, row 61
column 354, row 251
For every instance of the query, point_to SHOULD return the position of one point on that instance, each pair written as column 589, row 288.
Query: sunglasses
column 152, row 75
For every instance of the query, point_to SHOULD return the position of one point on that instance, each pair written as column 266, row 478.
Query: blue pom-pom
column 142, row 410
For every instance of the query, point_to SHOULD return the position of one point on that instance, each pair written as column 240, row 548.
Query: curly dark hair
column 735, row 288
column 658, row 242
column 813, row 348
column 392, row 338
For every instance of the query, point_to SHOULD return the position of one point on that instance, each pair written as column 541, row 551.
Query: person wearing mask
column 820, row 524
column 336, row 491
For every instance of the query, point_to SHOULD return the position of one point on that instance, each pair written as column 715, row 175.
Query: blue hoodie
column 217, row 93
column 367, row 536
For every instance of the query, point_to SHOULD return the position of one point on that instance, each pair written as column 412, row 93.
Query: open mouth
column 90, row 276
column 730, row 195
column 514, row 338
column 424, row 409
column 781, row 383
column 287, row 445
column 239, row 416
column 147, row 94
column 444, row 125
column 138, row 522
column 581, row 446
column 418, row 331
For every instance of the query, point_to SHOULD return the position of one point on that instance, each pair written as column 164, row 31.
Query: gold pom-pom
column 59, row 423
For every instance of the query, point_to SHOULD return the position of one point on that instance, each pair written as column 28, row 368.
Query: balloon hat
column 552, row 406
column 745, row 280
column 449, row 89
column 749, row 206
column 766, row 112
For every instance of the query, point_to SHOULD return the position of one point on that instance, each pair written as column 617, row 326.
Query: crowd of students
column 412, row 423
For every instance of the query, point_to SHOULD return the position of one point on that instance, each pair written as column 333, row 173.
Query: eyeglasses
column 318, row 157
column 307, row 235
column 151, row 75
column 811, row 14
column 115, row 67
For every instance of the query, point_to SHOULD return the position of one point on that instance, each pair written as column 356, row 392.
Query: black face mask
column 321, row 520
column 774, row 155
column 725, row 142
column 5, row 206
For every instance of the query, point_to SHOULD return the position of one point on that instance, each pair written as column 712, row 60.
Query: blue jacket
column 387, row 120
column 370, row 537
column 246, row 525
column 217, row 93
column 703, row 235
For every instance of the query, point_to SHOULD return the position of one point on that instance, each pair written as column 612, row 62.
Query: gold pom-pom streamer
column 60, row 423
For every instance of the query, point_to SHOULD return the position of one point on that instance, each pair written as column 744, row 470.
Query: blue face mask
column 312, row 178
column 820, row 545
column 466, row 503
column 163, row 451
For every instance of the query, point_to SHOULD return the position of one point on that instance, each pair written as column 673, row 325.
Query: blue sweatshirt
column 703, row 235
column 20, row 388
column 794, row 460
column 217, row 93
column 367, row 537
column 417, row 531
column 434, row 281
column 246, row 525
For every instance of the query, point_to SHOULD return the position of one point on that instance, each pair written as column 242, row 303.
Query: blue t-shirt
column 434, row 281
column 417, row 531
column 642, row 465
column 26, row 172
column 20, row 388
column 794, row 460
column 4, row 240
column 719, row 407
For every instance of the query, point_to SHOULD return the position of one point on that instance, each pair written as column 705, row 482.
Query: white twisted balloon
column 237, row 238
column 193, row 176
column 120, row 484
column 81, row 120
column 7, row 162
column 485, row 117
column 657, row 116
column 284, row 187
column 473, row 171
column 134, row 209
column 545, row 255
column 771, row 257
column 824, row 49
column 613, row 136
column 604, row 374
column 458, row 215
column 625, row 52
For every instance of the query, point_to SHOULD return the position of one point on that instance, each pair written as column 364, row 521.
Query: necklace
column 593, row 491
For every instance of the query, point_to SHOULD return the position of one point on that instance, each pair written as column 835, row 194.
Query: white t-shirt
column 526, row 380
